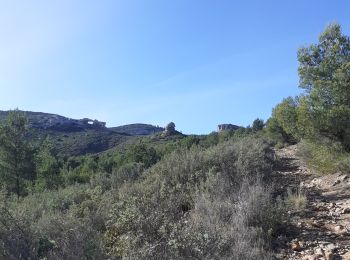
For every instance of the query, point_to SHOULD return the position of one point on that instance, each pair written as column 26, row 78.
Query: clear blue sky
column 195, row 62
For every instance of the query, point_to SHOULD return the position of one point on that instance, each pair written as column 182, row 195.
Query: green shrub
column 325, row 156
column 343, row 164
column 17, row 239
column 126, row 173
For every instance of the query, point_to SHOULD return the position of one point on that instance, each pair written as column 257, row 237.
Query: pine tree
column 324, row 70
column 47, row 168
column 16, row 154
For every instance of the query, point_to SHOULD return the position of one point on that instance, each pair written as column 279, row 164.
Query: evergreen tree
column 324, row 70
column 16, row 154
column 286, row 116
column 47, row 168
column 258, row 124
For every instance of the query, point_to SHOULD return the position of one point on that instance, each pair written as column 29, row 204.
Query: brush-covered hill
column 73, row 137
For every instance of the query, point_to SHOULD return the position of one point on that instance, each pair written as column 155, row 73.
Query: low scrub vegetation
column 200, row 200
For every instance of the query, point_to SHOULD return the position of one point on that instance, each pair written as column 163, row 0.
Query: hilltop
column 73, row 137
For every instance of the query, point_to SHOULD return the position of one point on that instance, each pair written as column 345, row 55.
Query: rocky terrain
column 320, row 230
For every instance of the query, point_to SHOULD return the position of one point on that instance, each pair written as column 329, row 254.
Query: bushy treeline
column 194, row 197
column 320, row 116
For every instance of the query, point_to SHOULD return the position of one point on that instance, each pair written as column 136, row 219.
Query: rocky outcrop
column 169, row 129
column 224, row 127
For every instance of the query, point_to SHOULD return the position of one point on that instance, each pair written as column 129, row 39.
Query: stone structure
column 224, row 127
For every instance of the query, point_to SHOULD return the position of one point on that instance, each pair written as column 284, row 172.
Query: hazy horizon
column 196, row 63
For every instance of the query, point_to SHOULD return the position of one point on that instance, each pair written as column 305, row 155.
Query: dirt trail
column 322, row 229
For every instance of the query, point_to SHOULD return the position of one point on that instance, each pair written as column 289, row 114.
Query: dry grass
column 296, row 200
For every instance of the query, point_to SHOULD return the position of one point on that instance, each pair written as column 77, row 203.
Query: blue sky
column 198, row 63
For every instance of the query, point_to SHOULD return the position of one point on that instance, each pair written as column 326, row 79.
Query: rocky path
column 321, row 230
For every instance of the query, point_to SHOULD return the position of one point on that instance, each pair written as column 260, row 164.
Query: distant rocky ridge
column 46, row 121
column 73, row 137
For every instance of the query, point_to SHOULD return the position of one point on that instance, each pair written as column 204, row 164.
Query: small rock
column 336, row 182
column 346, row 256
column 338, row 210
column 296, row 246
column 319, row 251
column 316, row 223
column 346, row 211
column 331, row 247
column 334, row 214
column 310, row 257
column 328, row 255
column 343, row 177
column 339, row 228
column 320, row 208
